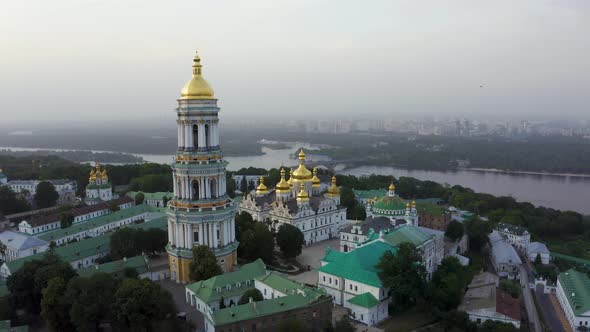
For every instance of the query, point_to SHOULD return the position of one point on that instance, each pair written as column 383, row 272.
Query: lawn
column 407, row 321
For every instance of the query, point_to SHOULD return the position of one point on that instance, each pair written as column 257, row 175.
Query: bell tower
column 201, row 212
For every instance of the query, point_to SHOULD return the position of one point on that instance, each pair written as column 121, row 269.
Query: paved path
column 179, row 297
column 534, row 322
column 311, row 255
column 552, row 317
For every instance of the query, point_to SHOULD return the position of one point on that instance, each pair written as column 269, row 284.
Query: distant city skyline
column 106, row 61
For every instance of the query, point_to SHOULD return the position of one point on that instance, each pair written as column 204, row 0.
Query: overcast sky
column 111, row 59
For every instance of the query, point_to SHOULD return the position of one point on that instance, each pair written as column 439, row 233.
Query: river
column 556, row 191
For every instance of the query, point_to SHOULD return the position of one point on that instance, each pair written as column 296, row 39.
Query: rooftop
column 358, row 265
column 138, row 263
column 503, row 252
column 537, row 247
column 576, row 286
column 512, row 229
column 156, row 196
column 507, row 305
column 228, row 284
column 377, row 224
column 366, row 300
column 20, row 241
column 407, row 233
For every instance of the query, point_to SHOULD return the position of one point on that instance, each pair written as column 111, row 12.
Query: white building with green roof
column 573, row 294
column 157, row 199
column 393, row 207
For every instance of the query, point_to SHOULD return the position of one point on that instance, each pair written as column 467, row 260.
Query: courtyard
column 311, row 255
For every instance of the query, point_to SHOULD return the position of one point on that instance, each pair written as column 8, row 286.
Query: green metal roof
column 390, row 203
column 332, row 255
column 573, row 259
column 430, row 208
column 360, row 264
column 264, row 308
column 365, row 300
column 366, row 194
column 86, row 248
column 228, row 284
column 406, row 233
column 138, row 263
column 576, row 286
column 96, row 222
column 279, row 282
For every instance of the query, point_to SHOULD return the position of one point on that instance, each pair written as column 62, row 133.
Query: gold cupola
column 104, row 176
column 301, row 174
column 392, row 186
column 197, row 87
column 261, row 189
column 92, row 175
column 302, row 196
column 290, row 181
column 315, row 181
column 408, row 205
column 283, row 186
column 414, row 204
column 333, row 191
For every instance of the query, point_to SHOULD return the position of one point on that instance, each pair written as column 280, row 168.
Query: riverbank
column 495, row 170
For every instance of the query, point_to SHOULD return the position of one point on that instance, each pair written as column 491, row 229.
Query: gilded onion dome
column 333, row 191
column 301, row 174
column 197, row 87
column 283, row 186
column 407, row 205
column 261, row 189
column 315, row 181
column 104, row 176
column 302, row 196
column 290, row 181
column 92, row 175
column 413, row 203
column 392, row 186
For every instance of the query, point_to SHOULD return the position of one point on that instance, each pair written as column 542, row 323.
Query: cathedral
column 201, row 212
column 99, row 189
column 393, row 207
column 299, row 202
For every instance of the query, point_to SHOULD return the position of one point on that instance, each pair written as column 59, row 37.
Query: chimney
column 124, row 259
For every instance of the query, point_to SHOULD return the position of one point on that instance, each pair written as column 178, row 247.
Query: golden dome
column 197, row 87
column 290, row 181
column 261, row 189
column 414, row 203
column 407, row 205
column 301, row 173
column 315, row 180
column 392, row 186
column 302, row 196
column 104, row 175
column 376, row 199
column 283, row 186
column 333, row 191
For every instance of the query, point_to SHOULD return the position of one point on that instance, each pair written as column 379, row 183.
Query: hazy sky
column 112, row 59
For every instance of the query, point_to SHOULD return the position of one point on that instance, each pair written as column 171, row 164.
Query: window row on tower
column 198, row 135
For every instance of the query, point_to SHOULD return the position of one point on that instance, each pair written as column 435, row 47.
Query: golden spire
column 283, row 186
column 92, row 175
column 333, row 191
column 197, row 87
column 290, row 181
column 414, row 203
column 104, row 176
column 261, row 189
column 315, row 181
column 302, row 196
column 407, row 205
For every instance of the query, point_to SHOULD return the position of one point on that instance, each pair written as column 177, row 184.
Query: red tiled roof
column 40, row 220
column 507, row 305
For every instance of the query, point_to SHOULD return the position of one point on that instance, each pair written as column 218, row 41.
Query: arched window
column 195, row 190
column 207, row 134
column 195, row 136
column 213, row 184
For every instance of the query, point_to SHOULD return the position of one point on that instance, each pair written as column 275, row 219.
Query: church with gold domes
column 99, row 189
column 393, row 207
column 298, row 201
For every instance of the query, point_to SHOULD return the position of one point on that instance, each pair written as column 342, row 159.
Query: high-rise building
column 201, row 212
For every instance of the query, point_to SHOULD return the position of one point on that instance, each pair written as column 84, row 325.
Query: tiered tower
column 201, row 213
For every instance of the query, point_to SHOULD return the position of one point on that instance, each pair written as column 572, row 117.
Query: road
column 553, row 316
column 534, row 321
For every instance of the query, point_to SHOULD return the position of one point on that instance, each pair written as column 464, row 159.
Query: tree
column 204, row 264
column 244, row 222
column 124, row 244
column 139, row 197
column 243, row 185
column 454, row 230
column 448, row 283
column 67, row 219
column 251, row 293
column 142, row 305
column 404, row 274
column 114, row 207
column 10, row 203
column 54, row 310
column 25, row 285
column 458, row 321
column 477, row 230
column 91, row 300
column 290, row 240
column 157, row 239
column 344, row 325
column 510, row 287
column 165, row 201
column 45, row 195
column 257, row 243
column 538, row 260
column 291, row 325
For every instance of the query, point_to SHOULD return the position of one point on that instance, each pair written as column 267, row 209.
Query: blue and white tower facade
column 201, row 212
